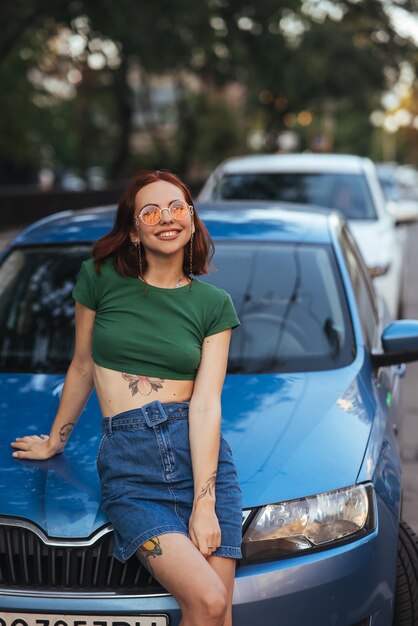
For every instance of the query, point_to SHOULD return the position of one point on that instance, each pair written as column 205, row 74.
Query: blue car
column 311, row 407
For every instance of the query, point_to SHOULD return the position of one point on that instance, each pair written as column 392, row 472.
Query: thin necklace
column 180, row 280
column 178, row 283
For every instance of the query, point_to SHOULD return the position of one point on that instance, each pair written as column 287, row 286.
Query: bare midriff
column 119, row 391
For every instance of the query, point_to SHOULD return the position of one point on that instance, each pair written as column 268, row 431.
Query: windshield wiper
column 333, row 335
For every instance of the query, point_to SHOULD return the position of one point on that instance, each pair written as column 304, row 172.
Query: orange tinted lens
column 179, row 209
column 150, row 214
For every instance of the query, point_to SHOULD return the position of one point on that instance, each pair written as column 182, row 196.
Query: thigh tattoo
column 149, row 548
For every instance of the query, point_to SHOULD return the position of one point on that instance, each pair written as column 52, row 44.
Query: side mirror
column 392, row 208
column 399, row 343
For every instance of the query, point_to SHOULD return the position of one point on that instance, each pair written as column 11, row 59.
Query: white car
column 400, row 188
column 347, row 183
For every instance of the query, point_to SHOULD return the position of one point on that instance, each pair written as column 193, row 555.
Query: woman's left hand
column 204, row 528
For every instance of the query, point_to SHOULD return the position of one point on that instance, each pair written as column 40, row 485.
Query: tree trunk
column 124, row 107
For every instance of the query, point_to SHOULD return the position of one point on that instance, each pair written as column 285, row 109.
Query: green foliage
column 353, row 131
column 331, row 59
column 20, row 119
column 209, row 131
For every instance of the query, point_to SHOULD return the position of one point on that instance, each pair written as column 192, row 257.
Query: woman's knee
column 217, row 605
column 211, row 602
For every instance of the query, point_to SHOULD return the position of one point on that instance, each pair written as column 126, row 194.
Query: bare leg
column 178, row 565
column 225, row 568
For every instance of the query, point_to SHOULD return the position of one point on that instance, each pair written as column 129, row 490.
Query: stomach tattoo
column 143, row 385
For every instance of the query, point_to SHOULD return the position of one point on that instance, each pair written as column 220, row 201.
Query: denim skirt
column 146, row 479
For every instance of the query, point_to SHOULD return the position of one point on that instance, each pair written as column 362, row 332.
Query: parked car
column 346, row 183
column 310, row 406
column 401, row 198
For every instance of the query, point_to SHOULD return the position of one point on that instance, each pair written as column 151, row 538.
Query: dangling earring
column 191, row 255
column 137, row 245
column 191, row 261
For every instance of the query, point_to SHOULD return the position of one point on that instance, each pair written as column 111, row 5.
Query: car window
column 291, row 305
column 348, row 193
column 37, row 309
column 363, row 288
column 288, row 296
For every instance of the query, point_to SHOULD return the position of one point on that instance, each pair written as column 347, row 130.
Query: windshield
column 288, row 297
column 37, row 309
column 291, row 305
column 348, row 193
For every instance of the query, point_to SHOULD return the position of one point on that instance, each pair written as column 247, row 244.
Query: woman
column 154, row 342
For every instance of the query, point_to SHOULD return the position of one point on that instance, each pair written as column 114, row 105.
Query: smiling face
column 168, row 235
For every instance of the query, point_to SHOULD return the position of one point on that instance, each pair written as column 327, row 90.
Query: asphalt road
column 409, row 432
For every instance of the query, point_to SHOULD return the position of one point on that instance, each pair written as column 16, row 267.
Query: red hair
column 117, row 242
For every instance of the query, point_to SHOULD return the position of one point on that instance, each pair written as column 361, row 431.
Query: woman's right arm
column 77, row 388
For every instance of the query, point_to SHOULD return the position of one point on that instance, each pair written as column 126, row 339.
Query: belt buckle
column 154, row 415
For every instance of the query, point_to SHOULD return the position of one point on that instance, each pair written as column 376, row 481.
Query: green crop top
column 158, row 333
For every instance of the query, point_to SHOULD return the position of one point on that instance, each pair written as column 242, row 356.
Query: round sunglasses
column 151, row 213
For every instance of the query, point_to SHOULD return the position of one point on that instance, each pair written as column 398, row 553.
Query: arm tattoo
column 66, row 431
column 143, row 384
column 149, row 548
column 209, row 488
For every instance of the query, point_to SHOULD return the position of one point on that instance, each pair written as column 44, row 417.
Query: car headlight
column 318, row 521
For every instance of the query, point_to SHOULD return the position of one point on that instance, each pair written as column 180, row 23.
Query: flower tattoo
column 143, row 384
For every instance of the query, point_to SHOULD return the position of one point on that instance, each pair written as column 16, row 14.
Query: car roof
column 225, row 220
column 85, row 225
column 343, row 163
column 268, row 220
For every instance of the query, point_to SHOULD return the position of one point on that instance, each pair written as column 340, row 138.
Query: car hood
column 295, row 435
column 291, row 435
column 60, row 495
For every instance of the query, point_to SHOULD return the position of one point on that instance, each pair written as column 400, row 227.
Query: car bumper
column 341, row 586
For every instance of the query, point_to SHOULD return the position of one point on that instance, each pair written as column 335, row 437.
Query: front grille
column 27, row 562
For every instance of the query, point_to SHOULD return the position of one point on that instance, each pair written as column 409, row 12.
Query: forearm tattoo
column 143, row 384
column 209, row 488
column 149, row 549
column 66, row 431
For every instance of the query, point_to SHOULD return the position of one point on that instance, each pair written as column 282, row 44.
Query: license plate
column 36, row 619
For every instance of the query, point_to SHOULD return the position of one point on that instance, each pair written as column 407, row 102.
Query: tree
column 328, row 61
